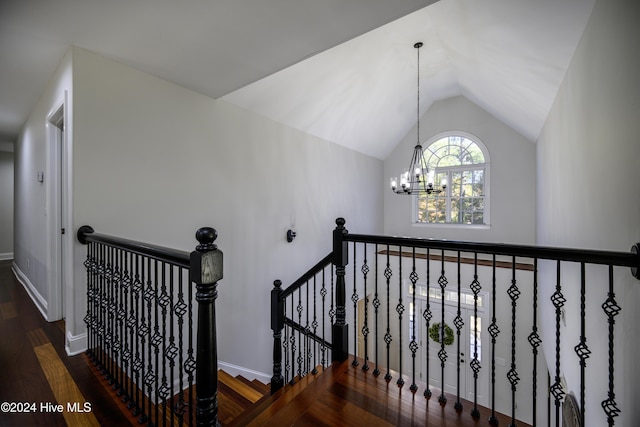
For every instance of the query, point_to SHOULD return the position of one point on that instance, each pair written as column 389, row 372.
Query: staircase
column 236, row 395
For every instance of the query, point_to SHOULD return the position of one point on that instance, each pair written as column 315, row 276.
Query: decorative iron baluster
column 307, row 334
column 611, row 309
column 110, row 318
column 558, row 301
column 172, row 350
column 365, row 327
column 427, row 315
column 475, row 362
column 190, row 363
column 285, row 346
column 442, row 354
column 149, row 377
column 293, row 348
column 163, row 302
column 120, row 315
column 388, row 273
column 535, row 341
column 300, row 359
column 376, row 306
column 493, row 331
column 459, row 323
column 354, row 299
column 413, row 345
column 180, row 309
column 314, row 325
column 138, row 363
column 581, row 349
column 512, row 375
column 400, row 310
column 323, row 294
column 126, row 329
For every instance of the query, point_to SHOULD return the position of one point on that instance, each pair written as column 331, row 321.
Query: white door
column 472, row 334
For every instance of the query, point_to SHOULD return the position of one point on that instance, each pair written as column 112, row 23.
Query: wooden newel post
column 205, row 272
column 277, row 324
column 340, row 331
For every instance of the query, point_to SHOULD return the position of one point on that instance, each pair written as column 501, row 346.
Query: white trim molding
column 75, row 344
column 33, row 293
column 250, row 374
column 6, row 256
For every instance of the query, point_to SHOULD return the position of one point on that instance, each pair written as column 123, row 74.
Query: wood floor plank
column 64, row 389
column 8, row 310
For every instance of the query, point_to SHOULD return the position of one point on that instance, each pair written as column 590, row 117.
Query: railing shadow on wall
column 401, row 290
column 141, row 307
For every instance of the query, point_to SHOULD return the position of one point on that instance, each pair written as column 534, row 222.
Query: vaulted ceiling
column 343, row 70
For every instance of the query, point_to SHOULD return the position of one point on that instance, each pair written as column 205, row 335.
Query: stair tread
column 255, row 384
column 239, row 387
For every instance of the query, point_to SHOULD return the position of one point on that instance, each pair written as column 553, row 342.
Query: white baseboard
column 249, row 374
column 75, row 344
column 6, row 256
column 38, row 300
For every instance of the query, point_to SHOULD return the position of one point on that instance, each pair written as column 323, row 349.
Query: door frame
column 58, row 211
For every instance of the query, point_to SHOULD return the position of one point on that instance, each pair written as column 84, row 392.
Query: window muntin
column 463, row 162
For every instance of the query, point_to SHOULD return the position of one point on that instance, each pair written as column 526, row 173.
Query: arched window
column 463, row 161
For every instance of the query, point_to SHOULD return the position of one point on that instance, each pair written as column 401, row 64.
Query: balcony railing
column 141, row 308
column 460, row 318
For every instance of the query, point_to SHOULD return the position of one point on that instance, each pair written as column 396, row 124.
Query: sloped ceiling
column 343, row 70
column 509, row 57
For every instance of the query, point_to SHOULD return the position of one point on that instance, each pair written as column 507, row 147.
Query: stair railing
column 140, row 323
column 463, row 277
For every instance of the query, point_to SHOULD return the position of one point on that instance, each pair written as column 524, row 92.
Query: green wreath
column 434, row 333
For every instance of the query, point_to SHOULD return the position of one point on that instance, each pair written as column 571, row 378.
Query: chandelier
column 417, row 179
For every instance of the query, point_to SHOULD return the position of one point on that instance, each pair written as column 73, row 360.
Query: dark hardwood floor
column 37, row 374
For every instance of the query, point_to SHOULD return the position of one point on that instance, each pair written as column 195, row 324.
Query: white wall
column 154, row 162
column 6, row 204
column 31, row 257
column 512, row 184
column 588, row 174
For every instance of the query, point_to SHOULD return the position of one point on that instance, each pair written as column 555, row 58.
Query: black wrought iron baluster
column 535, row 341
column 149, row 375
column 285, row 347
column 581, row 349
column 413, row 345
column 400, row 310
column 354, row 299
column 137, row 336
column 314, row 325
column 163, row 302
column 88, row 319
column 307, row 334
column 365, row 327
column 110, row 318
column 475, row 363
column 558, row 301
column 180, row 310
column 156, row 341
column 442, row 354
column 376, row 306
column 494, row 331
column 300, row 359
column 388, row 273
column 126, row 328
column 458, row 323
column 323, row 294
column 120, row 315
column 172, row 350
column 293, row 347
column 512, row 375
column 611, row 309
column 427, row 315
column 190, row 363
